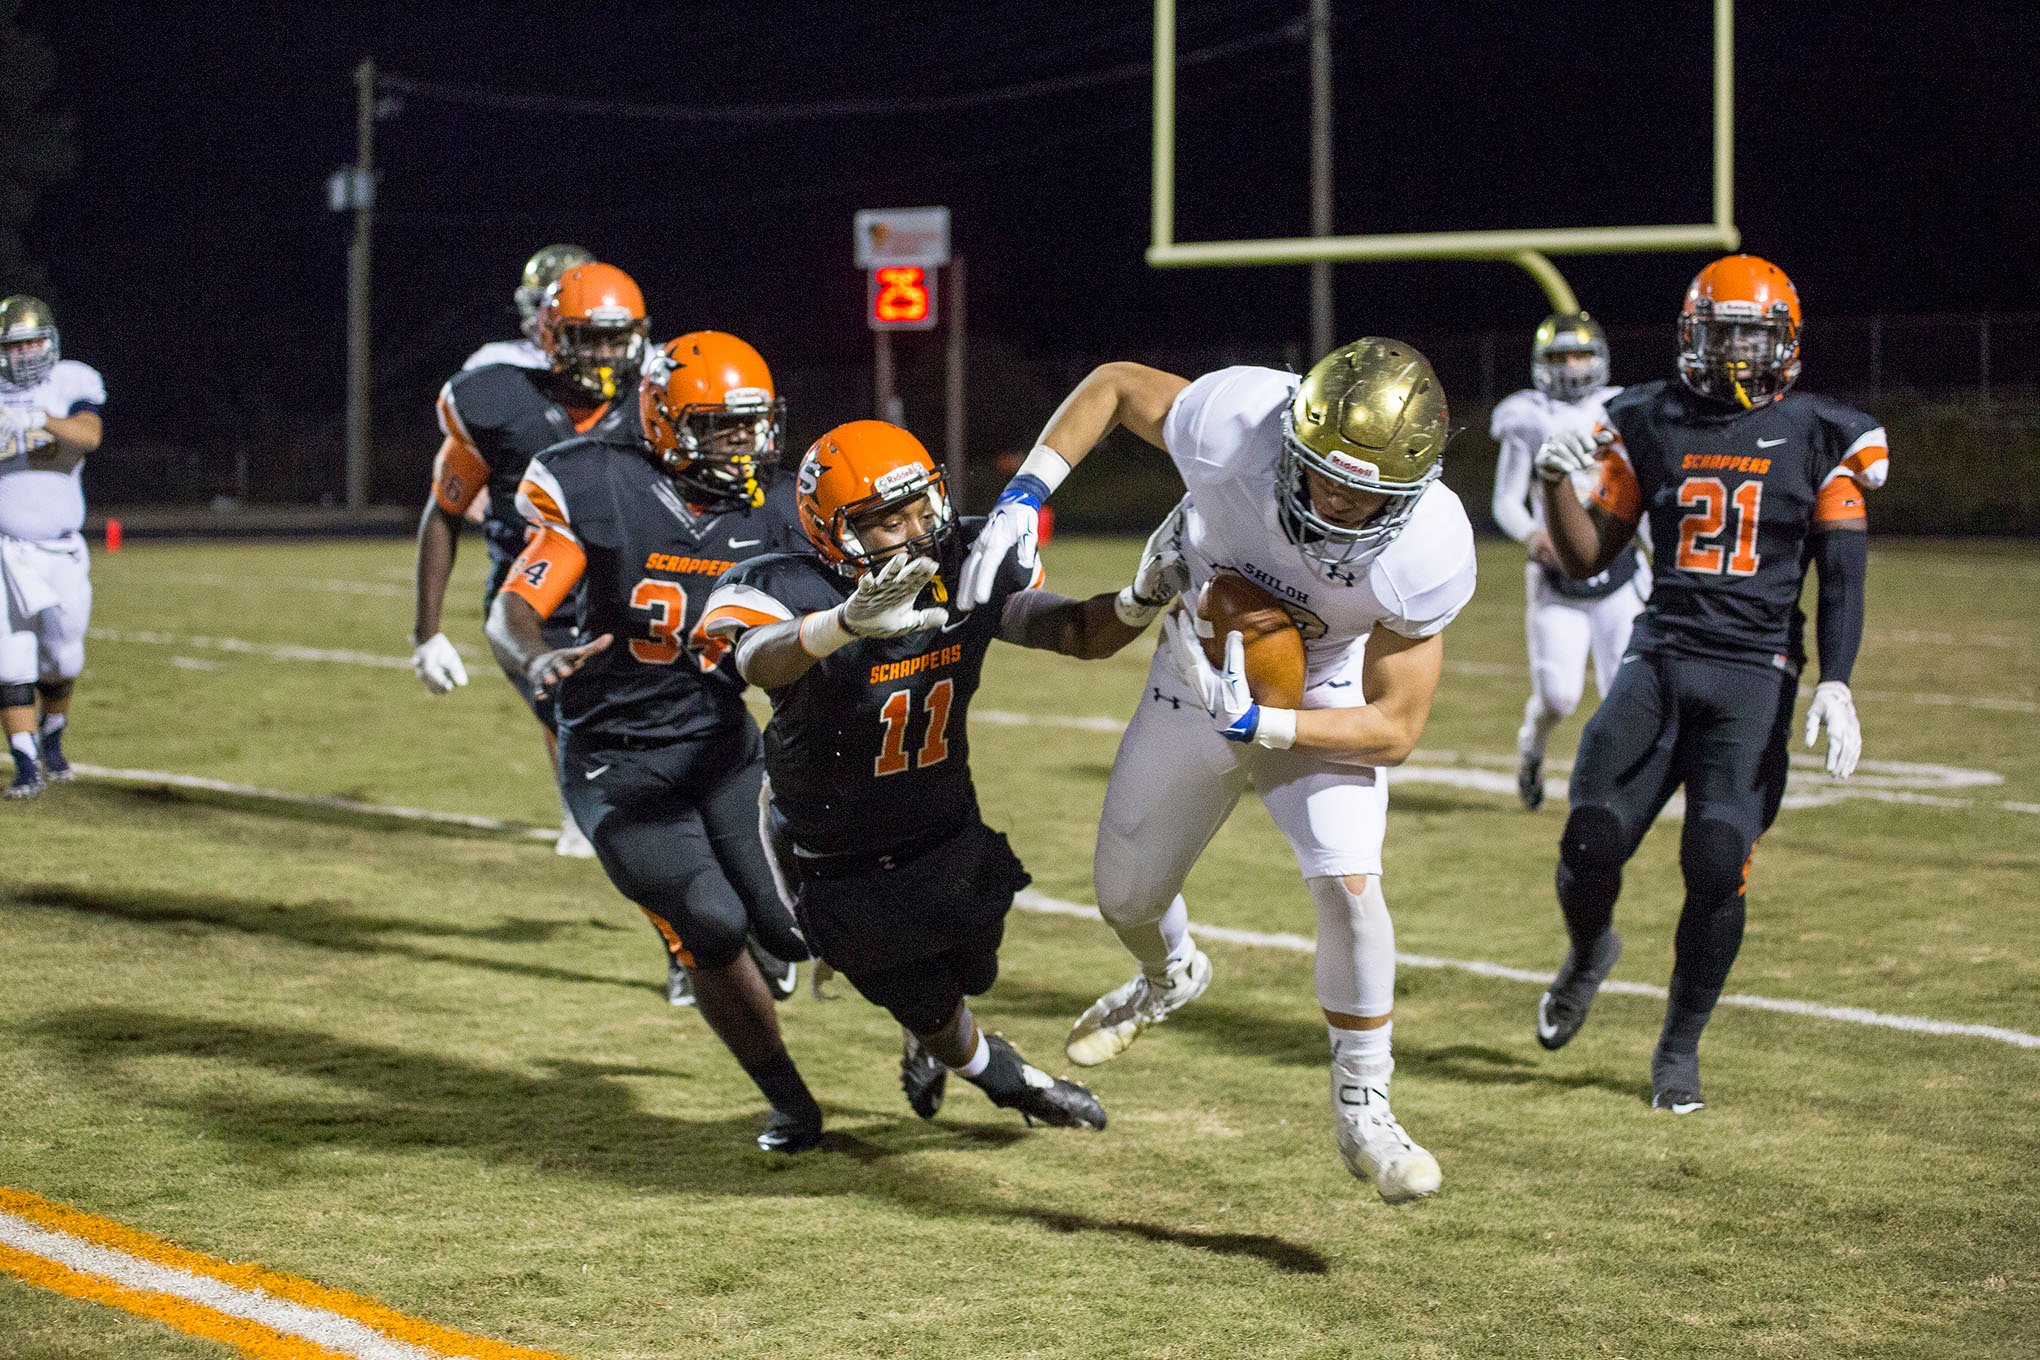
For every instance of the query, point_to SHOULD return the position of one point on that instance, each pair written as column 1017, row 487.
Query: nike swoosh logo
column 595, row 773
column 745, row 542
column 1769, row 443
column 955, row 623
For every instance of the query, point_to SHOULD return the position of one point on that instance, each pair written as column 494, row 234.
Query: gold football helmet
column 541, row 272
column 28, row 340
column 1569, row 356
column 1369, row 417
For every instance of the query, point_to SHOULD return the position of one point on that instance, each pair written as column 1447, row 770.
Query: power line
column 760, row 114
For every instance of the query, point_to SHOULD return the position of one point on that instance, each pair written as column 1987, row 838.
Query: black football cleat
column 55, row 767
column 1041, row 1098
column 922, row 1077
column 791, row 1133
column 782, row 979
column 1530, row 782
column 1675, row 1082
column 1563, row 1007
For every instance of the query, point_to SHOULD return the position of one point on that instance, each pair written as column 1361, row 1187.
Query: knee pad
column 1558, row 691
column 56, row 691
column 1127, row 895
column 1355, row 948
column 1592, row 842
column 17, row 696
column 1713, row 855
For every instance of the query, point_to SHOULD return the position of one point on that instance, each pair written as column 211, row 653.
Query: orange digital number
column 1706, row 500
column 667, row 604
column 897, row 711
column 902, row 294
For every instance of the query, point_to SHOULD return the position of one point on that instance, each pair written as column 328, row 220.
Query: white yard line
column 1029, row 900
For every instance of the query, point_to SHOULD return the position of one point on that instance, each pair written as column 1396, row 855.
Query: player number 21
column 898, row 710
column 1704, row 500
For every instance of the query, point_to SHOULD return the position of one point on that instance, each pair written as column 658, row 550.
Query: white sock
column 1364, row 1052
column 1163, row 944
column 53, row 723
column 980, row 1059
column 23, row 743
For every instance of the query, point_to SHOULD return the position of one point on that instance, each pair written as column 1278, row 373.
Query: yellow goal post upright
column 1529, row 249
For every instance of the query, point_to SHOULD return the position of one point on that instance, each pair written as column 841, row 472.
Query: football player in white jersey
column 1564, row 621
column 1324, row 491
column 49, row 422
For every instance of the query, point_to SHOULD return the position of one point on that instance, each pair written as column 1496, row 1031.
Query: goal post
column 1530, row 249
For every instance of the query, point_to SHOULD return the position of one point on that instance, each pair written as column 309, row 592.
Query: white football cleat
column 1374, row 1144
column 572, row 843
column 1116, row 1019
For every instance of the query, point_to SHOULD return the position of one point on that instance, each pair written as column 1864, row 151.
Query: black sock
column 780, row 1080
column 1686, row 1015
column 1587, row 899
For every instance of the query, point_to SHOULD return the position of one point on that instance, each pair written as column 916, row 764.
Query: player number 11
column 897, row 711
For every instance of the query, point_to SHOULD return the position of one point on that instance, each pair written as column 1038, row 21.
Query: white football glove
column 1014, row 527
column 881, row 606
column 1162, row 576
column 437, row 663
column 1223, row 690
column 1564, row 453
column 1834, row 706
column 17, row 425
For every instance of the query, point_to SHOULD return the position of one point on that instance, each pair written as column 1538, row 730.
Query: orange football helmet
column 712, row 418
column 859, row 470
column 1739, row 332
column 592, row 328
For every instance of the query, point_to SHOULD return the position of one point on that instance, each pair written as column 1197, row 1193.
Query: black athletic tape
column 17, row 696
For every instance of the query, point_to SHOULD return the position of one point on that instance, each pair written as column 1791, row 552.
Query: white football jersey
column 1224, row 433
column 1522, row 421
column 36, row 503
column 518, row 353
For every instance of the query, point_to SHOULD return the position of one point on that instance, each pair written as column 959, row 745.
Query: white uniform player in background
column 49, row 421
column 1564, row 621
column 1324, row 492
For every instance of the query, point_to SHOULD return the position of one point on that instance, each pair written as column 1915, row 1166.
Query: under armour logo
column 1171, row 700
column 1338, row 684
column 1344, row 578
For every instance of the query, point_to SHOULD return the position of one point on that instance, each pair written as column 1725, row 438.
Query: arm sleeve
column 1841, row 556
column 1512, row 486
column 544, row 574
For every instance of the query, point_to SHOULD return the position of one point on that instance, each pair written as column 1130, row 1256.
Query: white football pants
column 1174, row 782
column 49, row 644
column 1562, row 633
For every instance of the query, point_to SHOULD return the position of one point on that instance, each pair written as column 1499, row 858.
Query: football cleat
column 572, row 843
column 1675, row 1082
column 1117, row 1018
column 1530, row 781
column 790, row 1133
column 1050, row 1100
column 28, row 779
column 782, row 979
column 922, row 1076
column 679, row 984
column 1375, row 1145
column 1563, row 1007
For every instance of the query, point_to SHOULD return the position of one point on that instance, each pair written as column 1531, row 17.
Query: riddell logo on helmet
column 1353, row 467
column 747, row 399
column 896, row 479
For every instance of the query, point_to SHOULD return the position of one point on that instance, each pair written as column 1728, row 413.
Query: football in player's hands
column 1230, row 603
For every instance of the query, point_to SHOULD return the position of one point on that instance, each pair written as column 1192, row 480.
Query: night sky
column 1885, row 157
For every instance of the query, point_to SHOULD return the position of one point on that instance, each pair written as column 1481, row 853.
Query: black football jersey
column 1731, row 498
column 652, row 560
column 869, row 749
column 508, row 414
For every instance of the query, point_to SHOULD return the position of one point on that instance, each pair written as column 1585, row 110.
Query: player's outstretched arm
column 1098, row 627
column 1111, row 395
column 883, row 605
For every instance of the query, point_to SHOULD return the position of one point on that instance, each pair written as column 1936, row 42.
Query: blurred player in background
column 541, row 271
column 1564, row 621
column 590, row 329
column 659, row 759
column 1324, row 491
column 49, row 422
column 1746, row 484
column 899, row 884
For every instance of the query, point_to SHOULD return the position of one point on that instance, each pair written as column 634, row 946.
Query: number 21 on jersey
column 897, row 712
column 1705, row 501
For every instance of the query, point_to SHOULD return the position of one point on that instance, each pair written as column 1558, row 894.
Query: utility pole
column 1320, row 174
column 363, row 202
column 953, row 434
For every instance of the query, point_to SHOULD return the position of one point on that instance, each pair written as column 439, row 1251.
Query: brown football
column 1274, row 648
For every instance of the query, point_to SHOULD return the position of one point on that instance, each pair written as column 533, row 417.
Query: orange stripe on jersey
column 1616, row 490
column 1862, row 464
column 545, row 572
column 459, row 474
column 584, row 421
column 1840, row 502
column 542, row 501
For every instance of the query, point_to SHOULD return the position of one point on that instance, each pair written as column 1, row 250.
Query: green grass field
column 434, row 1065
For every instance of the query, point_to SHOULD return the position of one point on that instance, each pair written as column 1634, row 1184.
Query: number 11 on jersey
column 897, row 711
